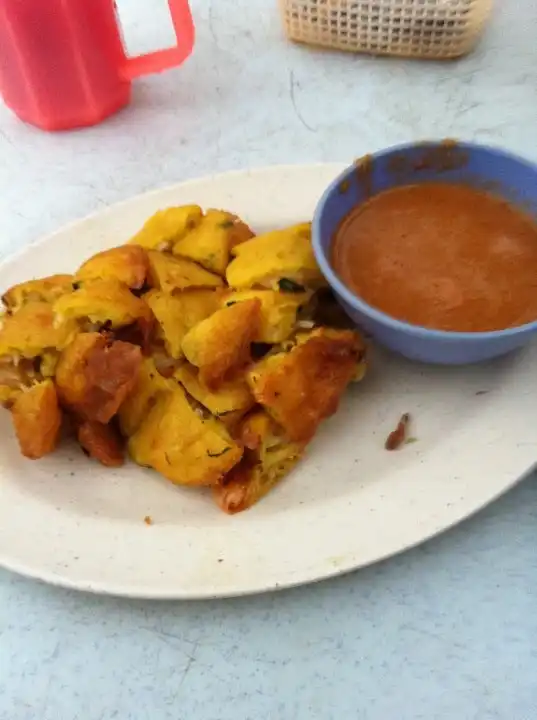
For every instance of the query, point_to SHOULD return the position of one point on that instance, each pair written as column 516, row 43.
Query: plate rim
column 198, row 180
column 133, row 593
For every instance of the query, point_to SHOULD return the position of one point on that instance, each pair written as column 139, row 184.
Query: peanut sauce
column 442, row 256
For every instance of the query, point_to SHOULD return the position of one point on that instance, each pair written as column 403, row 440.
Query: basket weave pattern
column 412, row 28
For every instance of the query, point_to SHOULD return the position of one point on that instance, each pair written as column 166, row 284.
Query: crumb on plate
column 398, row 437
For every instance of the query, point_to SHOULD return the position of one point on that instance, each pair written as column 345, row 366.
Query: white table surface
column 445, row 632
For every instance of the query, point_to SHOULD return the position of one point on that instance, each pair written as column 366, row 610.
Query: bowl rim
column 355, row 302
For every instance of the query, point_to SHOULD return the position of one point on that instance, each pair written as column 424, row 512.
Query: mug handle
column 159, row 60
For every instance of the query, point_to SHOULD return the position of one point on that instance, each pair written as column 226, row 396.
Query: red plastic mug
column 63, row 64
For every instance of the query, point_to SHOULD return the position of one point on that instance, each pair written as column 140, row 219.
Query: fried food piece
column 210, row 242
column 17, row 375
column 12, row 374
column 231, row 419
column 301, row 387
column 266, row 259
column 138, row 402
column 172, row 274
column 278, row 312
column 258, row 431
column 165, row 364
column 101, row 442
column 240, row 232
column 268, row 458
column 37, row 419
column 265, row 439
column 127, row 264
column 94, row 375
column 249, row 482
column 71, row 378
column 111, row 374
column 18, row 372
column 104, row 302
column 220, row 344
column 34, row 329
column 47, row 289
column 8, row 395
column 177, row 314
column 47, row 363
column 166, row 227
column 231, row 397
column 185, row 447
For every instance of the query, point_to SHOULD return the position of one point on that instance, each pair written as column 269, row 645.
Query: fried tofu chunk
column 268, row 458
column 231, row 398
column 220, row 345
column 47, row 290
column 103, row 303
column 181, row 444
column 138, row 402
column 71, row 379
column 127, row 264
column 171, row 274
column 166, row 227
column 95, row 375
column 267, row 259
column 37, row 419
column 34, row 329
column 210, row 242
column 177, row 314
column 278, row 312
column 301, row 387
column 101, row 442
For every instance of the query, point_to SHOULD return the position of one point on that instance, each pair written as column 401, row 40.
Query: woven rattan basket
column 411, row 28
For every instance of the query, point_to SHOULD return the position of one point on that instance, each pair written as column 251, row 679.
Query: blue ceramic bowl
column 511, row 177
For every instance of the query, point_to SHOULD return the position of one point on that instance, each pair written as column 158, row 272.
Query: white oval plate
column 350, row 503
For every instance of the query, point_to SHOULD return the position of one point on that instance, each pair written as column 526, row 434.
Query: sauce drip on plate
column 442, row 256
